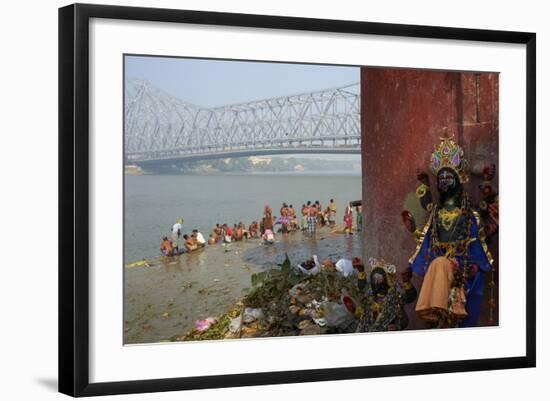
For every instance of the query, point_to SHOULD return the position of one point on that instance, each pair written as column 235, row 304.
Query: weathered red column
column 403, row 115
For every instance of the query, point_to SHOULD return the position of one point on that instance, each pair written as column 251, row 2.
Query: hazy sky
column 211, row 83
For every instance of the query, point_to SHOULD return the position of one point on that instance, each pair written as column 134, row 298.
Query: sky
column 211, row 83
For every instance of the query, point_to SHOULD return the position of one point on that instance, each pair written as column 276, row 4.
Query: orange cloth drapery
column 436, row 288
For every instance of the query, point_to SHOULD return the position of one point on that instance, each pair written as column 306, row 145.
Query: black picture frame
column 74, row 198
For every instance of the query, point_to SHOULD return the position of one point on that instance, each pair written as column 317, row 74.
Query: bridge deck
column 246, row 153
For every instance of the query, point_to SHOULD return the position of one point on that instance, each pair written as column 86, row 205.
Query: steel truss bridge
column 160, row 128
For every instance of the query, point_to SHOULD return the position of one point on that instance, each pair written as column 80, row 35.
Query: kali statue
column 451, row 252
column 387, row 298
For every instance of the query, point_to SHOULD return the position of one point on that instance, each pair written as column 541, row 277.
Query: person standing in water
column 318, row 213
column 267, row 219
column 311, row 213
column 304, row 217
column 176, row 234
column 348, row 220
column 293, row 218
column 332, row 213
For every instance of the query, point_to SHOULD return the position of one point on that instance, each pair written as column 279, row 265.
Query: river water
column 165, row 297
column 153, row 203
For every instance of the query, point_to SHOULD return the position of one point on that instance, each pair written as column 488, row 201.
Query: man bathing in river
column 293, row 218
column 201, row 242
column 176, row 234
column 267, row 220
column 318, row 213
column 293, row 223
column 304, row 217
column 311, row 213
column 238, row 232
column 166, row 247
column 253, row 230
column 227, row 233
column 284, row 219
column 284, row 210
column 218, row 232
column 326, row 216
column 190, row 244
column 291, row 211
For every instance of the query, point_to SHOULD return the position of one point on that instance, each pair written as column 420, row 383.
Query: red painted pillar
column 403, row 115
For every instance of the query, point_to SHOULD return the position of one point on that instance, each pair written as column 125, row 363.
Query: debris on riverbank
column 285, row 302
column 220, row 279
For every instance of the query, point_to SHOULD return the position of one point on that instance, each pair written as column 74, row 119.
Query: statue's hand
column 408, row 221
column 422, row 177
column 489, row 172
column 473, row 270
column 487, row 189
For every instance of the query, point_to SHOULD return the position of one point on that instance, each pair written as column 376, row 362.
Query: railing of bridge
column 158, row 125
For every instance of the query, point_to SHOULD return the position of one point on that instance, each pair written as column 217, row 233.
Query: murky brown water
column 166, row 298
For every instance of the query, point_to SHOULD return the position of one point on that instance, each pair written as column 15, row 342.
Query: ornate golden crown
column 387, row 267
column 450, row 155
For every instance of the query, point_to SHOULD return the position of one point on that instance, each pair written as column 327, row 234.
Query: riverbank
column 165, row 296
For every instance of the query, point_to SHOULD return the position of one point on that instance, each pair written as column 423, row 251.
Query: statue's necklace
column 448, row 217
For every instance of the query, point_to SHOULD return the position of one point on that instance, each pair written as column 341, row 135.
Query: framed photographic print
column 276, row 199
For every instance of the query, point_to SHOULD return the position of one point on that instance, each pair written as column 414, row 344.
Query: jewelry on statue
column 421, row 191
column 448, row 217
column 449, row 155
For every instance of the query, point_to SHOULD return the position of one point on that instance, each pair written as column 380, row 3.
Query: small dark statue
column 387, row 298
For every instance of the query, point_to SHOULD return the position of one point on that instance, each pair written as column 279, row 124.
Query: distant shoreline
column 326, row 173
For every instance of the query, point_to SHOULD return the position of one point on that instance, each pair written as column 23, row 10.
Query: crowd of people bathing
column 313, row 216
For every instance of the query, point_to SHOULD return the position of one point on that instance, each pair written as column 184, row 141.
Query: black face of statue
column 446, row 181
column 448, row 185
column 379, row 281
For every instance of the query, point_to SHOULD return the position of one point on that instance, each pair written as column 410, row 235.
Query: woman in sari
column 348, row 220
